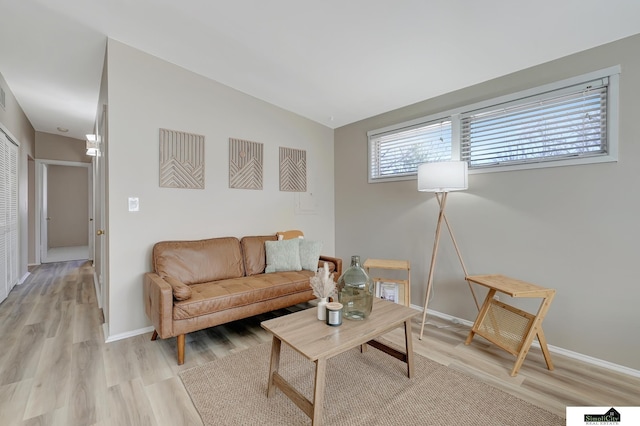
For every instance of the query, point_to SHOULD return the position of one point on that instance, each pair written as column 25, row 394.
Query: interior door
column 9, row 248
column 4, row 226
column 91, row 230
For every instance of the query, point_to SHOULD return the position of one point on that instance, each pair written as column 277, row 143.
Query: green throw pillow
column 282, row 255
column 310, row 254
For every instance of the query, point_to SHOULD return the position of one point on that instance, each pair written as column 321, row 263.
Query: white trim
column 96, row 287
column 591, row 360
column 39, row 164
column 62, row 163
column 24, row 277
column 555, row 349
column 128, row 334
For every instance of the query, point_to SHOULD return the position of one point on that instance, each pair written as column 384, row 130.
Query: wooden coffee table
column 318, row 342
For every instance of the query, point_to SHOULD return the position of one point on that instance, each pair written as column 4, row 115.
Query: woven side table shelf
column 506, row 326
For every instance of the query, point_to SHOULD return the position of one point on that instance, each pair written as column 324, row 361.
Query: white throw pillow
column 310, row 254
column 282, row 255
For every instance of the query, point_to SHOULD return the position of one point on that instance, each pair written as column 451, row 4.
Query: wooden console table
column 506, row 326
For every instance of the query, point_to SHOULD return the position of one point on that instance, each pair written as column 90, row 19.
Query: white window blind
column 398, row 153
column 557, row 125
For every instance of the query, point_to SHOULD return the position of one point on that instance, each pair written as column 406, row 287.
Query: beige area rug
column 361, row 389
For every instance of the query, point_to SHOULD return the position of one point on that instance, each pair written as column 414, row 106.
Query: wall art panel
column 181, row 160
column 245, row 164
column 293, row 170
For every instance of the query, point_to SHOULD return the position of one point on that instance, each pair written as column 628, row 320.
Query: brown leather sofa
column 200, row 284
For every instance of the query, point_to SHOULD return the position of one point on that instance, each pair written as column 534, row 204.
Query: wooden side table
column 506, row 326
column 399, row 265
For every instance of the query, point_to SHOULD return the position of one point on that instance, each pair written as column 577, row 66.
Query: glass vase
column 355, row 291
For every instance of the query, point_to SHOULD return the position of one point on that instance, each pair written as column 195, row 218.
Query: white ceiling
column 333, row 61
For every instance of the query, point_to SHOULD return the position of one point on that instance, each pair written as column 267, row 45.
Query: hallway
column 64, row 254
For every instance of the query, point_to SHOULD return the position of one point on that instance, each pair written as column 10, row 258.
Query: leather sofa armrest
column 181, row 291
column 158, row 304
column 336, row 261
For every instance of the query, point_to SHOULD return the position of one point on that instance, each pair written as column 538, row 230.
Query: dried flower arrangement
column 322, row 283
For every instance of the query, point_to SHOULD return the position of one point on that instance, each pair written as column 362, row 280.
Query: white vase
column 322, row 309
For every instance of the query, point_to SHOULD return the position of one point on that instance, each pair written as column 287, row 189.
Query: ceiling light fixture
column 62, row 129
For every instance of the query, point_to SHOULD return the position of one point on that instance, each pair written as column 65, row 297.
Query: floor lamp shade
column 443, row 176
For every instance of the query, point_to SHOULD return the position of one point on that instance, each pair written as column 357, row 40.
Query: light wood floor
column 55, row 368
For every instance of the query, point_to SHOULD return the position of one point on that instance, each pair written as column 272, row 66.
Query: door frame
column 40, row 224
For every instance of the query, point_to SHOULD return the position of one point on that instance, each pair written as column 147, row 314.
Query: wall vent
column 2, row 98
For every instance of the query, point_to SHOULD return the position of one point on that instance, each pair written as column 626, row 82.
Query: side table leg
column 545, row 349
column 536, row 328
column 274, row 364
column 483, row 312
column 408, row 337
column 318, row 393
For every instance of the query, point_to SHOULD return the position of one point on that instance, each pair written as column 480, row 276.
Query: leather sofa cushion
column 200, row 261
column 181, row 291
column 255, row 258
column 233, row 293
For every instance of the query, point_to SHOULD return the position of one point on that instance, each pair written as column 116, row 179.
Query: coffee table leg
column 274, row 364
column 408, row 337
column 318, row 393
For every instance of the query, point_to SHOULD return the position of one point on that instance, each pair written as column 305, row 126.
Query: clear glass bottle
column 355, row 291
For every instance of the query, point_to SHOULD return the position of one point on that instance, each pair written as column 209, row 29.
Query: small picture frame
column 391, row 291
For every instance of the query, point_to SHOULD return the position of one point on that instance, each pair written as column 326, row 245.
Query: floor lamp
column 441, row 178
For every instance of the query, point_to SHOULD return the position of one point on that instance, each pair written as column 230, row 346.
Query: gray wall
column 146, row 94
column 574, row 228
column 15, row 120
column 58, row 147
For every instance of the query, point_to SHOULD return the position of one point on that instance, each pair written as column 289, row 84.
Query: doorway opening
column 64, row 209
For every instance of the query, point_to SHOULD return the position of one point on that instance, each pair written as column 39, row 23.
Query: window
column 397, row 153
column 565, row 123
column 557, row 125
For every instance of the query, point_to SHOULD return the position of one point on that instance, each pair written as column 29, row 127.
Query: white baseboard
column 555, row 349
column 591, row 360
column 24, row 277
column 128, row 334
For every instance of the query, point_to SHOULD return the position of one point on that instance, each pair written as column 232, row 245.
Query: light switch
column 134, row 204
